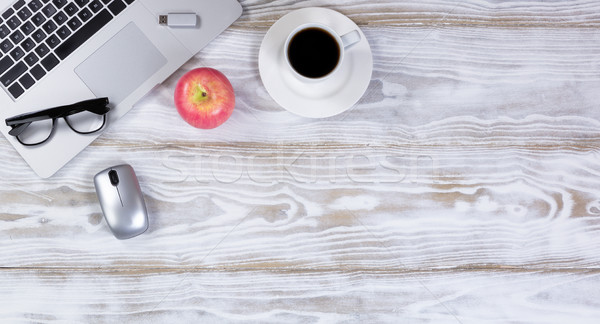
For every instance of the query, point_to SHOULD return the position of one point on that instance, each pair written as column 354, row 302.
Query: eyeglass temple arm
column 97, row 105
column 18, row 129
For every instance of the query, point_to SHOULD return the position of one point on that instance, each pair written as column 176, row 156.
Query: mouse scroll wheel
column 114, row 177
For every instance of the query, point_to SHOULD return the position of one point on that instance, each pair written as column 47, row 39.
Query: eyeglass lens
column 37, row 132
column 84, row 122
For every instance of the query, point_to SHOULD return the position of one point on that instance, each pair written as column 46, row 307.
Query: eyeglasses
column 35, row 128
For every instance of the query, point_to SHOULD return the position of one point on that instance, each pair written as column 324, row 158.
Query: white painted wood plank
column 306, row 297
column 486, row 13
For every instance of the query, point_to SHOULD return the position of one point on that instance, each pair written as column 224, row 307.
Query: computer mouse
column 122, row 202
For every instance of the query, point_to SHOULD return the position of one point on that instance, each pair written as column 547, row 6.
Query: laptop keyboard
column 36, row 35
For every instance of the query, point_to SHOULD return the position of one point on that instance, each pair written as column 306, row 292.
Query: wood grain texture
column 462, row 188
column 492, row 13
column 337, row 296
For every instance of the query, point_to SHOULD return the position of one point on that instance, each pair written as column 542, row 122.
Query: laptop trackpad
column 121, row 65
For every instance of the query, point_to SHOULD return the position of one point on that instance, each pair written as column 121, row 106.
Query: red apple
column 204, row 98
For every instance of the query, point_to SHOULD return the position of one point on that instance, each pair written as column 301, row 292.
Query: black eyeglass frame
column 98, row 106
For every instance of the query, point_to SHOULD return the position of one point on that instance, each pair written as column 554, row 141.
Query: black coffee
column 313, row 52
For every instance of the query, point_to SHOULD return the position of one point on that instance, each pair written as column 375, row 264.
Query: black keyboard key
column 81, row 3
column 63, row 32
column 106, row 1
column 38, row 19
column 13, row 22
column 79, row 37
column 52, row 41
column 49, row 10
column 60, row 18
column 74, row 23
column 49, row 26
column 4, row 31
column 6, row 46
column 16, row 91
column 35, row 5
column 37, row 72
column 39, row 36
column 84, row 15
column 71, row 9
column 19, row 4
column 42, row 50
column 26, row 81
column 28, row 44
column 5, row 63
column 17, row 37
column 24, row 13
column 8, row 13
column 17, row 53
column 95, row 6
column 116, row 7
column 49, row 62
column 31, row 59
column 129, row 1
column 27, row 28
column 13, row 74
column 59, row 3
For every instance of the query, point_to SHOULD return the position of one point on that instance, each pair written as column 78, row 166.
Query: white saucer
column 326, row 98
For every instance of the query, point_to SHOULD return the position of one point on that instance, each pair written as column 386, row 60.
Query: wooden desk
column 463, row 188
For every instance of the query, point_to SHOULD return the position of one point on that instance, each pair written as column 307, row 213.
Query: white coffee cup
column 319, row 70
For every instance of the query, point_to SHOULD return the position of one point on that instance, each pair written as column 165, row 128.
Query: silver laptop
column 57, row 52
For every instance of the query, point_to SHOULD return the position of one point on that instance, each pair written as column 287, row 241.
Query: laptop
column 58, row 52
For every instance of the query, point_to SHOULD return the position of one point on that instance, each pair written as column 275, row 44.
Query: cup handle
column 350, row 38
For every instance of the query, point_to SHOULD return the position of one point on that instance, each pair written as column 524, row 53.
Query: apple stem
column 199, row 94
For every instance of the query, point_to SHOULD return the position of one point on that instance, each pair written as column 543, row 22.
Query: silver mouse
column 122, row 201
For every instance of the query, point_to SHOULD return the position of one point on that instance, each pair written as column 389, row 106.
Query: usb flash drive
column 179, row 20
